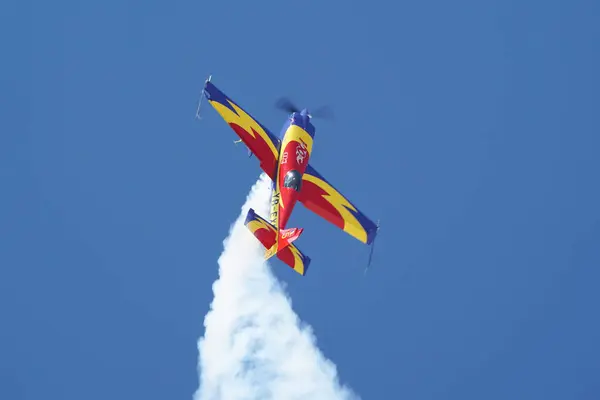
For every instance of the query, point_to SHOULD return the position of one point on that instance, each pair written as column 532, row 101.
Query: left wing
column 259, row 140
column 323, row 199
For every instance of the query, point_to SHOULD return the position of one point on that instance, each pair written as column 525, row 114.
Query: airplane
column 285, row 159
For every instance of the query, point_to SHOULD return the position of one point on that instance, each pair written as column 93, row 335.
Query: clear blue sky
column 470, row 128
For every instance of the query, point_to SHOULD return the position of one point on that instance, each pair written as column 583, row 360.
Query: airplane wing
column 319, row 196
column 259, row 140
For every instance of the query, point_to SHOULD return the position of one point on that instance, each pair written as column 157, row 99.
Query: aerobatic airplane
column 285, row 160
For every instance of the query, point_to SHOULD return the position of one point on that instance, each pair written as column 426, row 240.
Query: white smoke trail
column 254, row 346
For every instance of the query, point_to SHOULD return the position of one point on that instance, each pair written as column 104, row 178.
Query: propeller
column 285, row 104
column 324, row 112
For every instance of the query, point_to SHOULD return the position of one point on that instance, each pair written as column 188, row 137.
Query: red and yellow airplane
column 285, row 160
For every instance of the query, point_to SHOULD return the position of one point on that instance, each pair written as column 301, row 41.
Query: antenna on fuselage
column 201, row 97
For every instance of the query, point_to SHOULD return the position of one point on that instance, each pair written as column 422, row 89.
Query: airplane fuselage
column 296, row 147
column 285, row 159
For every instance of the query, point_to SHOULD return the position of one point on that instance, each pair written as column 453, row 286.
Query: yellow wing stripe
column 245, row 121
column 298, row 263
column 257, row 224
column 351, row 225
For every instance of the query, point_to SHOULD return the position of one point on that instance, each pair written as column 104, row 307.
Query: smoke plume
column 255, row 346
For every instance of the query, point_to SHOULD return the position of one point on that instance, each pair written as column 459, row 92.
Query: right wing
column 324, row 200
column 259, row 140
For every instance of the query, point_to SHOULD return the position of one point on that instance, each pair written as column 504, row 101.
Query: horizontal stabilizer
column 287, row 236
column 267, row 235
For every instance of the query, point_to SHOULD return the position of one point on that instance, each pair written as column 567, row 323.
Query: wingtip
column 372, row 244
column 372, row 234
column 204, row 89
column 307, row 261
column 204, row 93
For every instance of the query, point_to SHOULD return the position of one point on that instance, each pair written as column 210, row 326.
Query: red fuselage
column 295, row 152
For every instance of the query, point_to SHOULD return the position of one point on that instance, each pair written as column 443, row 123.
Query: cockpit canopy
column 293, row 180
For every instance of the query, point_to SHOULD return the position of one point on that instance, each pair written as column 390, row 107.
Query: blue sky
column 470, row 128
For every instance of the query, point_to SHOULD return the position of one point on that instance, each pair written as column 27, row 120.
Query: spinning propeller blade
column 324, row 112
column 285, row 104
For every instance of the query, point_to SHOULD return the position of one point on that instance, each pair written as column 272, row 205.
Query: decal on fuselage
column 275, row 207
column 301, row 153
column 288, row 233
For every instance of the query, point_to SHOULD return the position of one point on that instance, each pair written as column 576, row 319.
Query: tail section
column 278, row 242
column 283, row 240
